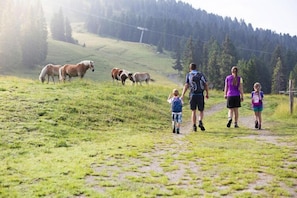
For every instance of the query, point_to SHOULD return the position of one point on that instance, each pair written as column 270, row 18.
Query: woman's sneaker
column 259, row 127
column 229, row 123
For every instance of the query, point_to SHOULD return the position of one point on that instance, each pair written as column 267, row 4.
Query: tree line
column 213, row 42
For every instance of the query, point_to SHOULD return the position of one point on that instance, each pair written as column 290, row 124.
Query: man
column 197, row 83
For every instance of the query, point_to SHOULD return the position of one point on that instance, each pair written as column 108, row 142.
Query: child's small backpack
column 176, row 105
column 257, row 98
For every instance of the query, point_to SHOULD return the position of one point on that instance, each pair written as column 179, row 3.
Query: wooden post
column 291, row 94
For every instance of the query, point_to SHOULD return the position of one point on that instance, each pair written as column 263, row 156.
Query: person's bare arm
column 186, row 86
column 206, row 90
column 225, row 90
column 241, row 91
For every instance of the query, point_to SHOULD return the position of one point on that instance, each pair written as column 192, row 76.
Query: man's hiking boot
column 259, row 127
column 229, row 123
column 194, row 127
column 201, row 126
column 177, row 130
column 256, row 124
column 173, row 130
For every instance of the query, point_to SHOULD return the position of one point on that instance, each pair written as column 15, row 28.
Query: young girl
column 257, row 104
column 176, row 108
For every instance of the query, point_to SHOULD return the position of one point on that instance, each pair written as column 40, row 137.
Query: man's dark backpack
column 176, row 105
column 196, row 83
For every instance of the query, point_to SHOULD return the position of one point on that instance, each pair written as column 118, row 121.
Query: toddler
column 176, row 109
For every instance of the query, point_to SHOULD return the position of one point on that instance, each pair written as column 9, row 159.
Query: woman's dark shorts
column 197, row 101
column 233, row 102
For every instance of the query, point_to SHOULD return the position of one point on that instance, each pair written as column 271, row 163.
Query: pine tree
column 188, row 56
column 10, row 49
column 34, row 36
column 228, row 59
column 57, row 26
column 178, row 63
column 42, row 33
column 198, row 54
column 276, row 59
column 248, row 73
column 213, row 65
column 68, row 31
column 278, row 81
column 29, row 39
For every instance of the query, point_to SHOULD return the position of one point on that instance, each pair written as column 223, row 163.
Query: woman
column 234, row 95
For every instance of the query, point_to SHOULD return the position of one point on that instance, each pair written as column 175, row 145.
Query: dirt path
column 262, row 135
column 155, row 158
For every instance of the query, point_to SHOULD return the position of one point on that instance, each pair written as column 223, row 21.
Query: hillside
column 91, row 139
column 108, row 53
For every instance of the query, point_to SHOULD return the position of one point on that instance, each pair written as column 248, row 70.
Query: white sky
column 276, row 15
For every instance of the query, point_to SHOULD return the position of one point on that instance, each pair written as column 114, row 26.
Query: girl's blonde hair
column 175, row 92
column 257, row 86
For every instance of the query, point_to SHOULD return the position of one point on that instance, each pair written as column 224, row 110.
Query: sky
column 276, row 15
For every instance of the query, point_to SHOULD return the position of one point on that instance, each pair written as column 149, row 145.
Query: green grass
column 90, row 139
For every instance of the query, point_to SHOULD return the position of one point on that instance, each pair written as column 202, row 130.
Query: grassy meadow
column 93, row 138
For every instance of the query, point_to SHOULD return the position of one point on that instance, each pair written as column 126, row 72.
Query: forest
column 190, row 35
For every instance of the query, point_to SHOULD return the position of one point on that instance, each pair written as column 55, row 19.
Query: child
column 257, row 104
column 176, row 108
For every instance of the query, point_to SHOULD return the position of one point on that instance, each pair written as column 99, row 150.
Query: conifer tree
column 278, row 80
column 57, row 26
column 34, row 36
column 42, row 32
column 29, row 34
column 177, row 56
column 198, row 55
column 228, row 59
column 188, row 56
column 248, row 73
column 277, row 60
column 10, row 49
column 213, row 65
column 205, row 58
column 68, row 31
